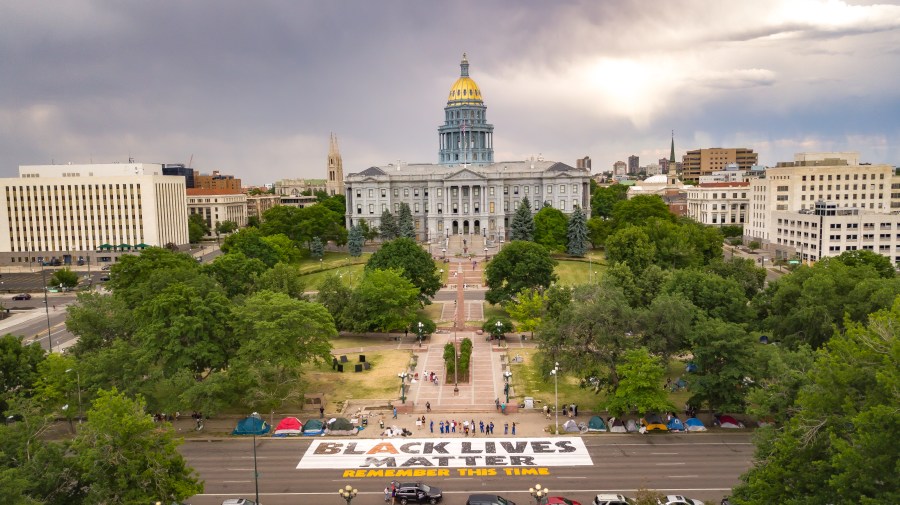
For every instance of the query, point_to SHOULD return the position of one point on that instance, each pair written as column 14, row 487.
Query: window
column 492, row 191
column 549, row 189
column 358, row 193
column 440, row 208
column 416, row 208
column 440, row 192
column 359, row 208
column 491, row 206
column 562, row 205
column 396, row 192
column 416, row 192
column 526, row 188
column 562, row 189
column 383, row 193
column 371, row 208
column 515, row 190
column 505, row 190
column 455, row 208
column 405, row 191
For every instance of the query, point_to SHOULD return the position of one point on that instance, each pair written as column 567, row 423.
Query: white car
column 239, row 501
column 674, row 499
column 611, row 499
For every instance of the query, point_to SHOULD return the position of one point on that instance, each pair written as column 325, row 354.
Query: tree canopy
column 577, row 234
column 415, row 263
column 551, row 229
column 518, row 266
column 522, row 226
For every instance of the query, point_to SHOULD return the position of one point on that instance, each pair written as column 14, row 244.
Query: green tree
column 282, row 278
column 249, row 241
column 415, row 263
column 277, row 329
column 254, row 222
column 630, row 246
column 186, row 327
column 405, row 222
column 522, row 226
column 879, row 262
column 122, row 456
column 841, row 446
column 197, row 228
column 666, row 324
column 355, row 241
column 389, row 228
column 577, row 234
column 636, row 211
column 640, row 385
column 725, row 359
column 18, row 367
column 226, row 227
column 63, row 277
column 281, row 220
column 335, row 296
column 528, row 309
column 783, row 372
column 137, row 278
column 518, row 266
column 384, row 300
column 320, row 221
column 603, row 199
column 550, row 229
column 599, row 229
column 285, row 250
column 491, row 326
column 717, row 297
column 235, row 272
column 316, row 249
column 742, row 270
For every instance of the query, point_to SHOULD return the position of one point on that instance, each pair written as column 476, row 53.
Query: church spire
column 672, row 154
column 333, row 146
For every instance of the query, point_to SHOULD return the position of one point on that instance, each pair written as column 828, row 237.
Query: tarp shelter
column 341, row 426
column 616, row 425
column 694, row 424
column 105, row 247
column 289, row 426
column 313, row 428
column 631, row 426
column 571, row 426
column 251, row 425
column 596, row 424
column 675, row 424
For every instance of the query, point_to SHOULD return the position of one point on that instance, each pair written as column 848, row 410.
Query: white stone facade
column 475, row 200
column 719, row 203
column 218, row 205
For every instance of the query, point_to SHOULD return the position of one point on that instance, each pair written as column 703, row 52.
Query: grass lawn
column 380, row 382
column 527, row 381
column 350, row 274
column 491, row 310
column 331, row 260
column 433, row 311
column 572, row 272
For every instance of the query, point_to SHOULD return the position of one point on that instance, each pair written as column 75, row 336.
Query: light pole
column 348, row 493
column 555, row 374
column 421, row 326
column 499, row 326
column 78, row 379
column 402, row 376
column 485, row 253
column 46, row 308
column 455, row 364
column 538, row 493
column 443, row 253
column 507, row 375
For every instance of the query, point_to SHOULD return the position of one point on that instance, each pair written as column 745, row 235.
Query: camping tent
column 288, row 426
column 313, row 428
column 251, row 425
column 616, row 425
column 341, row 426
column 675, row 424
column 694, row 424
column 596, row 424
column 631, row 426
column 571, row 426
column 729, row 422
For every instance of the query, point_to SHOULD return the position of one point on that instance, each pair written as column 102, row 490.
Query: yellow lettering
column 529, row 471
column 543, row 471
column 385, row 447
column 349, row 473
column 375, row 473
column 443, row 473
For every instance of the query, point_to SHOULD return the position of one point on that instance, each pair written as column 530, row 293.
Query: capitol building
column 467, row 192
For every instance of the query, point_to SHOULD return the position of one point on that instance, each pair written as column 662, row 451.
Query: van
column 488, row 499
column 611, row 499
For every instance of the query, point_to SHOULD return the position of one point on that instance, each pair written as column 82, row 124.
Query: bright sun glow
column 627, row 87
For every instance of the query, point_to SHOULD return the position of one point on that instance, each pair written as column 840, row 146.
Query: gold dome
column 464, row 91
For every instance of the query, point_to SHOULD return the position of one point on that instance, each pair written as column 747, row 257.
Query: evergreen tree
column 316, row 248
column 405, row 225
column 578, row 233
column 389, row 230
column 355, row 241
column 522, row 227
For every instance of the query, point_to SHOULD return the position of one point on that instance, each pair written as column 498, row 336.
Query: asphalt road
column 702, row 466
column 30, row 319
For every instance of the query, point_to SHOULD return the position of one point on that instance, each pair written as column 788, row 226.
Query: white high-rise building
column 67, row 212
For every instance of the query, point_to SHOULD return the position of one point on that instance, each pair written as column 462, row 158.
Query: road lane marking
column 682, row 476
column 668, row 464
column 239, row 469
column 499, row 491
column 570, row 477
column 663, row 453
column 236, row 481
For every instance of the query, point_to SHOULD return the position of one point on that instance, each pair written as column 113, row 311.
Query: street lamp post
column 538, row 493
column 348, row 493
column 507, row 375
column 421, row 326
column 555, row 374
column 455, row 364
column 499, row 326
column 46, row 308
column 443, row 253
column 78, row 381
column 403, row 376
column 485, row 253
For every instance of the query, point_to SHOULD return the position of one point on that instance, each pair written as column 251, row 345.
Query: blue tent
column 675, row 424
column 313, row 427
column 694, row 424
column 596, row 424
column 251, row 425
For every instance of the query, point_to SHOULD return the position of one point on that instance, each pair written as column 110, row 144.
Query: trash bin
column 529, row 402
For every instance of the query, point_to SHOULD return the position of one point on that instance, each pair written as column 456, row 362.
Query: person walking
column 441, row 425
column 506, row 428
column 427, row 406
column 514, row 428
column 395, row 412
column 387, row 493
column 481, row 426
column 322, row 412
column 492, row 428
column 431, row 425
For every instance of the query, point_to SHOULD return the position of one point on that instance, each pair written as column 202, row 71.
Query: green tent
column 251, row 425
column 141, row 246
column 596, row 424
column 105, row 247
column 124, row 246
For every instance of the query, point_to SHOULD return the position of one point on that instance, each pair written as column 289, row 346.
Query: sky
column 254, row 89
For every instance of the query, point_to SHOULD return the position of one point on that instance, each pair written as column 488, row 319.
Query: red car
column 558, row 500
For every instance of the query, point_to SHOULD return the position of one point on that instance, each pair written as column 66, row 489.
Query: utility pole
column 46, row 307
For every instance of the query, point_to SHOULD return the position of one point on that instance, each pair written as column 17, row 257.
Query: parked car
column 674, row 499
column 22, row 296
column 611, row 499
column 104, row 278
column 239, row 501
column 558, row 500
column 488, row 499
column 417, row 492
column 105, row 267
